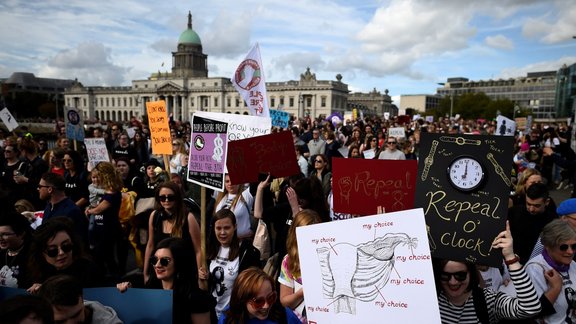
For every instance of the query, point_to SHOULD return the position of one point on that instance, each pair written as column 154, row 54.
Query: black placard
column 462, row 224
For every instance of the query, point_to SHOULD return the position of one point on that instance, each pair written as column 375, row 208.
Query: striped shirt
column 500, row 306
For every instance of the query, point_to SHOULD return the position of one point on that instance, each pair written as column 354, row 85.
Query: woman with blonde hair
column 290, row 279
column 104, row 235
column 528, row 177
column 240, row 201
column 178, row 149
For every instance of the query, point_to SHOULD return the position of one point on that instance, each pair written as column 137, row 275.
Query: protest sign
column 74, row 124
column 96, row 151
column 274, row 154
column 505, row 126
column 279, row 118
column 396, row 132
column 240, row 126
column 248, row 80
column 8, row 119
column 463, row 186
column 159, row 128
column 360, row 186
column 364, row 269
column 208, row 153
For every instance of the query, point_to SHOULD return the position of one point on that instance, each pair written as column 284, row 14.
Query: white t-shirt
column 535, row 269
column 224, row 273
column 242, row 211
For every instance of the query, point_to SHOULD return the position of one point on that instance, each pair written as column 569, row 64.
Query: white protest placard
column 96, row 151
column 369, row 154
column 8, row 119
column 396, row 132
column 240, row 126
column 74, row 124
column 505, row 126
column 366, row 269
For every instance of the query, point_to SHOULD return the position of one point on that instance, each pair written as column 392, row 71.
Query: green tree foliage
column 476, row 105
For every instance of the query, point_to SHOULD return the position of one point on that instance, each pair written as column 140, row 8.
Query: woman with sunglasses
column 460, row 297
column 551, row 271
column 171, row 218
column 76, row 178
column 254, row 301
column 15, row 237
column 178, row 149
column 322, row 173
column 227, row 258
column 172, row 268
column 56, row 249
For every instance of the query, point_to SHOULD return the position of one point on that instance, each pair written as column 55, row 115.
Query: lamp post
column 516, row 109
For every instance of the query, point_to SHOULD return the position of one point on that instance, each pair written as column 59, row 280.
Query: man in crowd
column 392, row 152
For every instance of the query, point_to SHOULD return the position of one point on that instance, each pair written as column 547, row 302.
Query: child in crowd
column 95, row 195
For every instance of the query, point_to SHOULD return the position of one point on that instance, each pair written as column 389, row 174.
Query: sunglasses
column 167, row 198
column 318, row 161
column 53, row 251
column 459, row 276
column 564, row 247
column 391, row 142
column 164, row 261
column 259, row 302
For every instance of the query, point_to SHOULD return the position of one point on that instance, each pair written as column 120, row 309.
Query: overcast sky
column 405, row 46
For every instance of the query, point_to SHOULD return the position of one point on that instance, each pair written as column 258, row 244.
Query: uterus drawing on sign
column 359, row 272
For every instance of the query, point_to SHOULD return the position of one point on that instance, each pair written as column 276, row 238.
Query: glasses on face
column 259, row 302
column 176, row 144
column 391, row 142
column 53, row 251
column 6, row 235
column 167, row 198
column 164, row 261
column 374, row 140
column 459, row 276
column 42, row 186
column 564, row 247
column 318, row 161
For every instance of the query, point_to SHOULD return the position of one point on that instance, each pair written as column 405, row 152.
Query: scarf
column 556, row 266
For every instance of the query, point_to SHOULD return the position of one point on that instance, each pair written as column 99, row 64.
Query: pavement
column 559, row 195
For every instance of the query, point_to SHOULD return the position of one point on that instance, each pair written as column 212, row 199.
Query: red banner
column 273, row 153
column 360, row 186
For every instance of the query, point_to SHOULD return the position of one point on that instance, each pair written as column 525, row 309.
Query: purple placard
column 209, row 142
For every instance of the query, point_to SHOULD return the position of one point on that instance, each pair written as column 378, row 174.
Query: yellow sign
column 159, row 128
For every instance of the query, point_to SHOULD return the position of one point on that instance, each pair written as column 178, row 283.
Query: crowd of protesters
column 96, row 216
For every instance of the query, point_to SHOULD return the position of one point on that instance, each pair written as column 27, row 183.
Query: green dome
column 189, row 36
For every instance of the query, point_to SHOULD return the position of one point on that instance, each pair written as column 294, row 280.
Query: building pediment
column 169, row 87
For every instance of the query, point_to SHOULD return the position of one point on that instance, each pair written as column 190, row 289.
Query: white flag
column 249, row 82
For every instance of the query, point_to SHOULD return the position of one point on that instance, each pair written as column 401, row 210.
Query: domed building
column 188, row 88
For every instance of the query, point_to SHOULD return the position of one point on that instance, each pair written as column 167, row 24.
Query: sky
column 403, row 46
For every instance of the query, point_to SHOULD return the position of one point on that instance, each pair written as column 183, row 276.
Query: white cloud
column 500, row 42
column 543, row 66
column 555, row 25
column 91, row 63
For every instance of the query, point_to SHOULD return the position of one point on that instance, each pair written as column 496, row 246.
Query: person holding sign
column 462, row 301
column 551, row 270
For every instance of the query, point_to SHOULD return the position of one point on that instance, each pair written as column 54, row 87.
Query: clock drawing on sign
column 466, row 173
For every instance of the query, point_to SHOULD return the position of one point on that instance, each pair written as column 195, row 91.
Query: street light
column 516, row 109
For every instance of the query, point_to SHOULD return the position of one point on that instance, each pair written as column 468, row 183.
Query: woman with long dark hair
column 172, row 268
column 171, row 218
column 76, row 178
column 227, row 257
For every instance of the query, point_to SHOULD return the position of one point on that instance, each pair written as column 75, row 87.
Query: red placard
column 360, row 185
column 273, row 153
